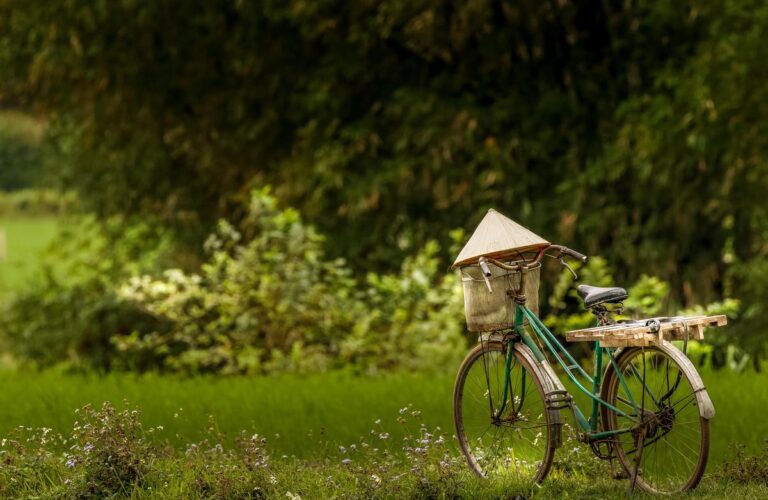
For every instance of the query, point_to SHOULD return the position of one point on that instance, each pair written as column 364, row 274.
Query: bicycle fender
column 706, row 408
column 548, row 386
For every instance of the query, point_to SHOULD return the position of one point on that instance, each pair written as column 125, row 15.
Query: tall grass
column 309, row 417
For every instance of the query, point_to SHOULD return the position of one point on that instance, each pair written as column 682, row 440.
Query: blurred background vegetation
column 259, row 187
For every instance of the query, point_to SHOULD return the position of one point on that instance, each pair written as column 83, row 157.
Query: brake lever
column 486, row 274
column 567, row 266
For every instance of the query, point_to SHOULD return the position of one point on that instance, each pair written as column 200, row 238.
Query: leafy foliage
column 269, row 300
column 69, row 313
column 21, row 151
column 36, row 202
column 630, row 131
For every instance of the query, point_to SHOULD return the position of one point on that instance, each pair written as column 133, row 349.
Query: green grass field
column 26, row 239
column 311, row 415
column 306, row 419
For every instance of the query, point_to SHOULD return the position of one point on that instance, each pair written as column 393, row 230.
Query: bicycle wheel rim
column 519, row 447
column 674, row 437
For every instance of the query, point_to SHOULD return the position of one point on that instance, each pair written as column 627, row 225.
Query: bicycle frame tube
column 559, row 352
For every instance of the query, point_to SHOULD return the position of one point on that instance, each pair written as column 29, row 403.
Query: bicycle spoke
column 514, row 442
column 671, row 458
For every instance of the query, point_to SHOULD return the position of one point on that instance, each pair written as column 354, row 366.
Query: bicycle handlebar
column 573, row 253
column 540, row 255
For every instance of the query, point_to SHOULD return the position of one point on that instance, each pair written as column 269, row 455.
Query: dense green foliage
column 70, row 310
column 35, row 202
column 268, row 299
column 630, row 131
column 21, row 151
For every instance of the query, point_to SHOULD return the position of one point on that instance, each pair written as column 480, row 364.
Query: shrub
column 269, row 300
column 36, row 202
column 70, row 311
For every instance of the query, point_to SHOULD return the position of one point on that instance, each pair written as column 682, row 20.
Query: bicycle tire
column 522, row 460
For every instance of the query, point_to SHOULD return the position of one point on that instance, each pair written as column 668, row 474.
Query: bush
column 269, row 300
column 21, row 151
column 71, row 310
column 36, row 202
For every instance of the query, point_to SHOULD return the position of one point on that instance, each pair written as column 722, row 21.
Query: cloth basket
column 490, row 311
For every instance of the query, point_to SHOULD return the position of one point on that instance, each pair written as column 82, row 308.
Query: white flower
column 346, row 461
column 384, row 435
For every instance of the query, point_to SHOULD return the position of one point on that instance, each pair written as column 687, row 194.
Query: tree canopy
column 630, row 130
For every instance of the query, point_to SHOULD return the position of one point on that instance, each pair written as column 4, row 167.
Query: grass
column 311, row 415
column 26, row 238
column 305, row 420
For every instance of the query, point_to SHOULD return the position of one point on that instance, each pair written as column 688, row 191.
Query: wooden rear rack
column 647, row 332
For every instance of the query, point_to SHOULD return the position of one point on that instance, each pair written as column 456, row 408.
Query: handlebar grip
column 576, row 255
column 484, row 267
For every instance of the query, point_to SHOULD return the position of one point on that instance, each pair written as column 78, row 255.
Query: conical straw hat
column 498, row 236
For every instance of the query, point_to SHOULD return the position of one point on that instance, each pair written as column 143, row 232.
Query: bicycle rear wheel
column 516, row 442
column 670, row 447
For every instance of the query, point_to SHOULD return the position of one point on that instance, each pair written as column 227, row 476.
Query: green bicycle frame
column 570, row 365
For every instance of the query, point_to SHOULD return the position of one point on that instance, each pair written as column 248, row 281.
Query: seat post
column 605, row 315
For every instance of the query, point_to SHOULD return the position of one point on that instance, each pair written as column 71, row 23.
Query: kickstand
column 638, row 457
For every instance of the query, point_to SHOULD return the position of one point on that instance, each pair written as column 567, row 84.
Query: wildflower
column 342, row 450
column 71, row 463
column 376, row 479
column 346, row 461
column 378, row 421
column 384, row 435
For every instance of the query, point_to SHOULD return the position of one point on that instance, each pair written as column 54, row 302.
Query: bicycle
column 649, row 408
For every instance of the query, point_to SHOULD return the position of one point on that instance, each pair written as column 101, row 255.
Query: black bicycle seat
column 595, row 295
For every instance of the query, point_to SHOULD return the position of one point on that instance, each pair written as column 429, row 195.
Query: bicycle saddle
column 594, row 295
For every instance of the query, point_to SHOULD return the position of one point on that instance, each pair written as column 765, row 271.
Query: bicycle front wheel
column 498, row 437
column 669, row 443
